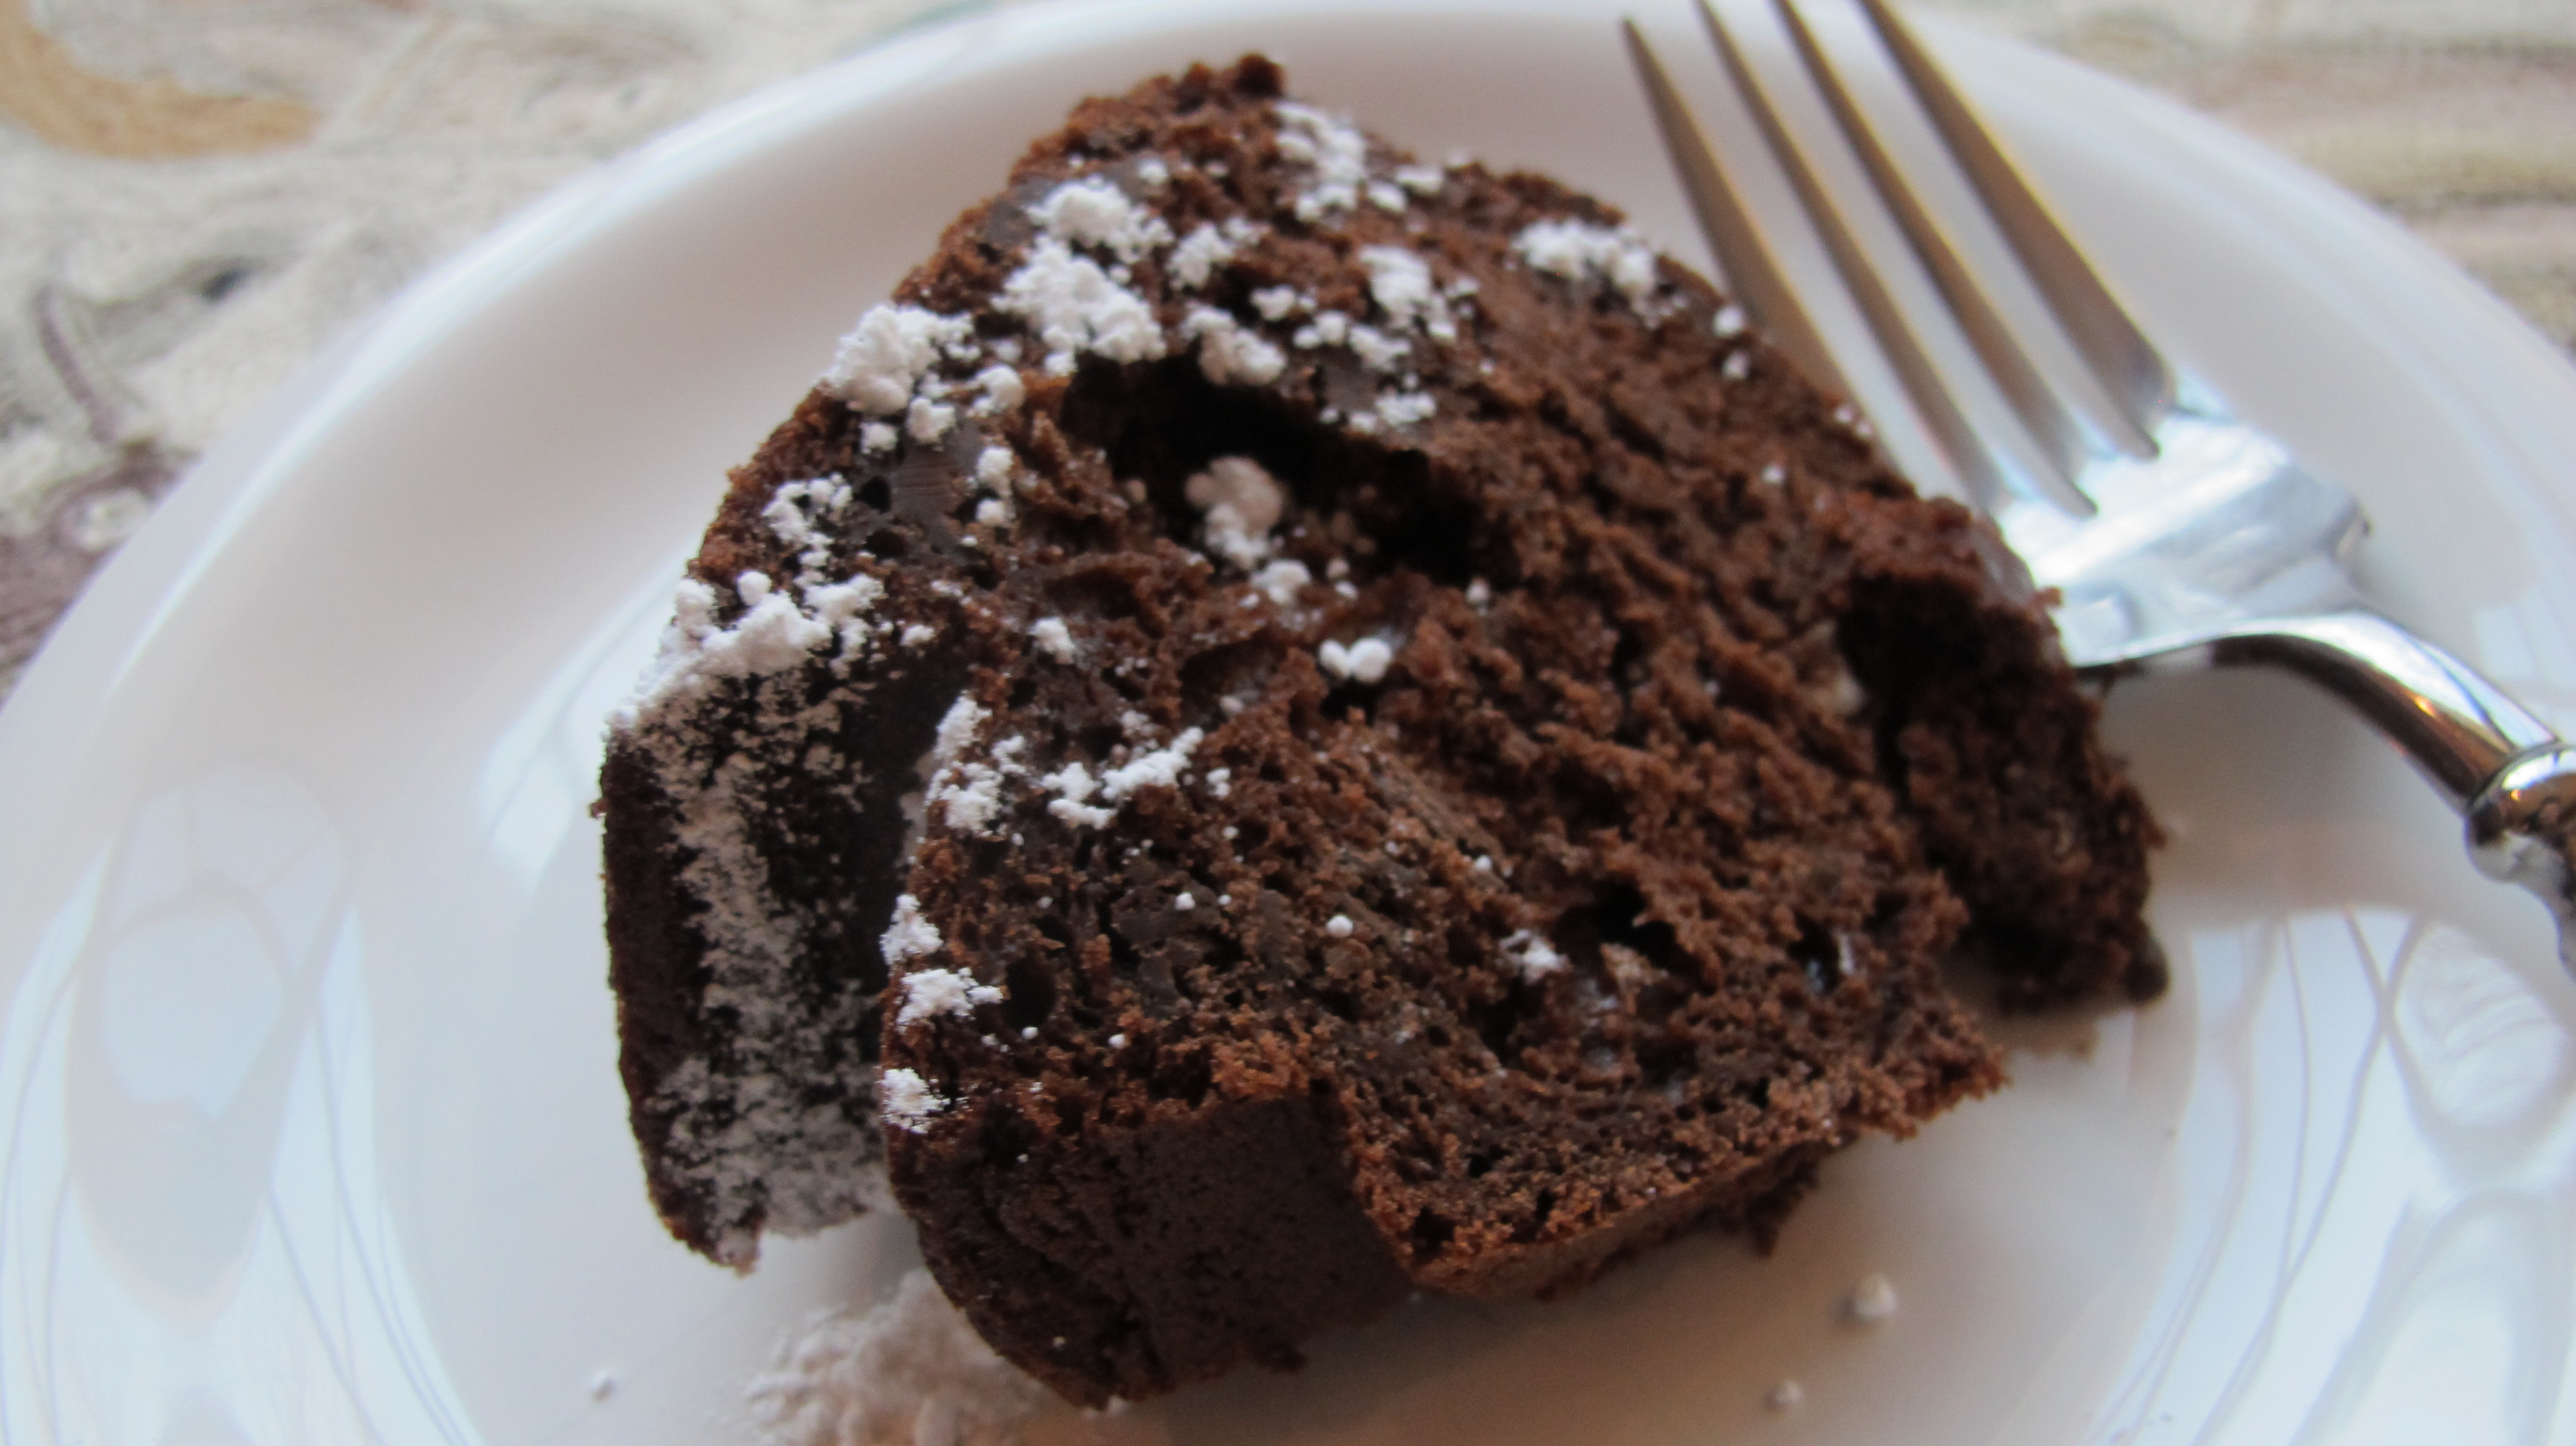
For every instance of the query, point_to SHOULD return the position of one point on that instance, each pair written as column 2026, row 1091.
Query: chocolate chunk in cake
column 1346, row 729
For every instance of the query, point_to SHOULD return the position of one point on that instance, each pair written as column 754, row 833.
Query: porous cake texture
column 1289, row 726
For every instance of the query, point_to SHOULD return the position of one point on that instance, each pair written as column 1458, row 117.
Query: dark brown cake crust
column 1540, row 839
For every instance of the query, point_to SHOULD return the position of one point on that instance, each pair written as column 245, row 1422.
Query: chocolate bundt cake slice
column 1345, row 729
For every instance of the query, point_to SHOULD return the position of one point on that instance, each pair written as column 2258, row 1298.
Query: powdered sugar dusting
column 910, row 935
column 908, row 1372
column 1241, row 502
column 1229, row 352
column 1075, row 307
column 1054, row 639
column 929, row 993
column 1533, row 956
column 1092, row 212
column 1334, row 150
column 1365, row 661
column 1158, row 768
column 890, row 350
column 1281, row 581
column 1074, row 786
column 1400, row 283
column 1581, row 251
column 908, row 1102
column 1209, row 246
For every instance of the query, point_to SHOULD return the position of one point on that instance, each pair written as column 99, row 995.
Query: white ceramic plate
column 309, row 1127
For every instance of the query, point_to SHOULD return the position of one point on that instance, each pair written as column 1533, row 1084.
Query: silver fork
column 2176, row 535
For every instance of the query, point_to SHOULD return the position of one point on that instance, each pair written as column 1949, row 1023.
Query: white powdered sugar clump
column 1395, row 411
column 1531, row 955
column 796, row 514
column 908, row 1372
column 1157, row 768
column 1208, row 246
column 1230, row 353
column 910, row 936
column 887, row 354
column 1281, row 581
column 1074, row 787
column 956, row 729
column 1277, row 303
column 927, row 421
column 1581, row 251
column 1421, row 180
column 1092, row 212
column 907, row 1101
column 1075, row 307
column 929, row 993
column 966, row 792
column 1333, row 149
column 776, row 632
column 1365, row 661
column 1400, row 283
column 1001, row 390
column 773, row 1134
column 1872, row 1301
column 1376, row 350
column 1241, row 502
column 1054, row 639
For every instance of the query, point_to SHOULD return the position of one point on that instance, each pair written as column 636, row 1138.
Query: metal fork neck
column 2457, row 728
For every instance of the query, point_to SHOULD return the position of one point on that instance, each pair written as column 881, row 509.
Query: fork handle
column 2510, row 776
column 2522, row 829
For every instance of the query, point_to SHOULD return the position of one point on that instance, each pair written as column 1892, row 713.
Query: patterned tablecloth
column 196, row 196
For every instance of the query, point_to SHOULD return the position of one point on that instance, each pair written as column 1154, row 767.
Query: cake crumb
column 1872, row 1301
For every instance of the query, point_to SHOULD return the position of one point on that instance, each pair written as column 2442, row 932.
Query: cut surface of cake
column 1289, row 726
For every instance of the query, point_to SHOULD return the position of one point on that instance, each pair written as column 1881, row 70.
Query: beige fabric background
column 196, row 196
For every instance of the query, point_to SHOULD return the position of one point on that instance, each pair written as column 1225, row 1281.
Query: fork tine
column 1973, row 463
column 1750, row 272
column 2049, row 423
column 2136, row 376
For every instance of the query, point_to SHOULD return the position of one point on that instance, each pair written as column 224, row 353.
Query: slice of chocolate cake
column 1345, row 730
